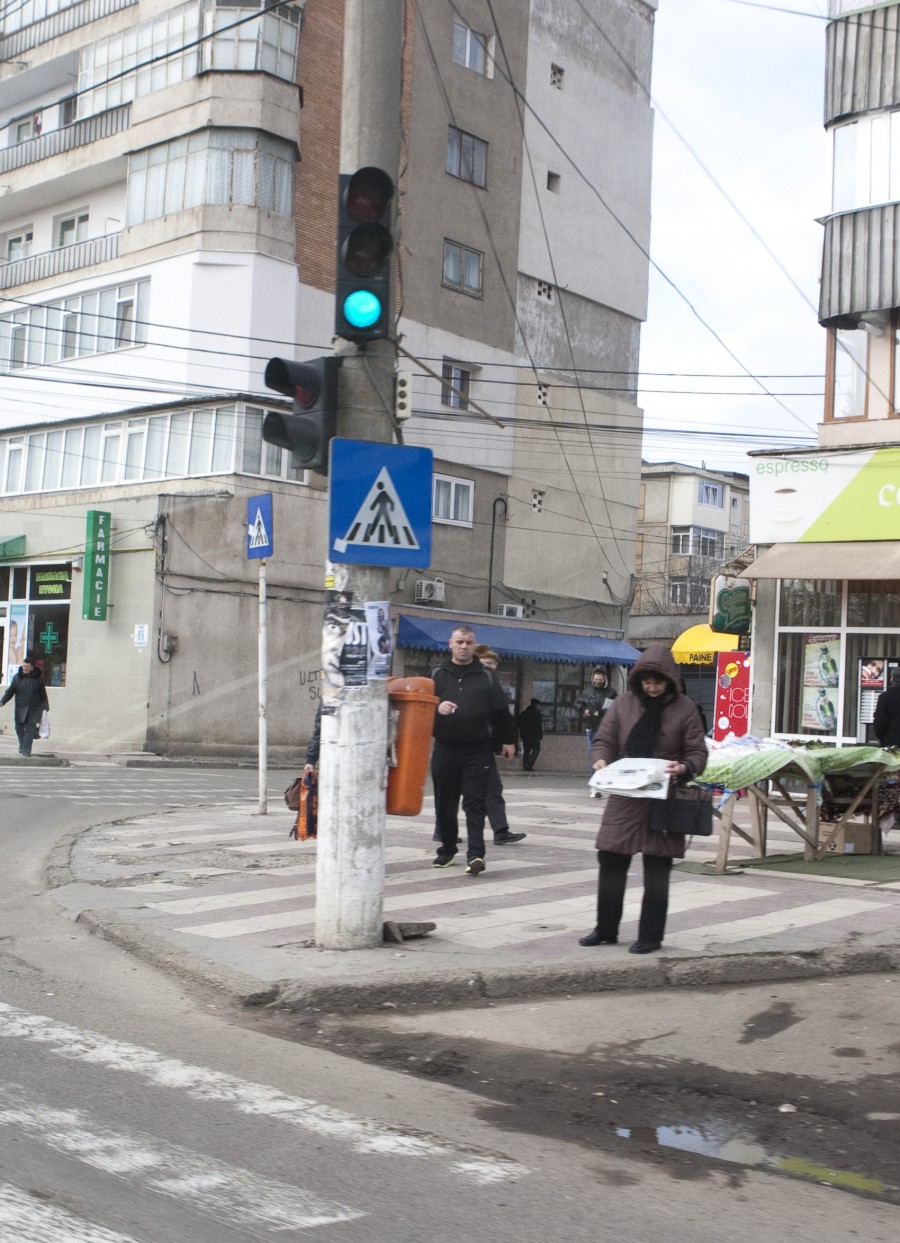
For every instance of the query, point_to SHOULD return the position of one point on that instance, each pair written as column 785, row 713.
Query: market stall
column 831, row 797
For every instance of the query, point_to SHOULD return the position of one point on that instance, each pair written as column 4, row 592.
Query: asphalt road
column 134, row 1107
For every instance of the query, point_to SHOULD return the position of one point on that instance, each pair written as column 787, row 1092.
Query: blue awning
column 432, row 634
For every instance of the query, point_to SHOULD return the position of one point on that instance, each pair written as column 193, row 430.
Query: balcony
column 78, row 134
column 36, row 33
column 62, row 259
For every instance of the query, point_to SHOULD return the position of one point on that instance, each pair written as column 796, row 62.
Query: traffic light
column 309, row 428
column 402, row 396
column 364, row 245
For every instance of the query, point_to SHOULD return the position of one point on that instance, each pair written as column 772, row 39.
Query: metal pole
column 352, row 758
column 490, row 593
column 263, row 671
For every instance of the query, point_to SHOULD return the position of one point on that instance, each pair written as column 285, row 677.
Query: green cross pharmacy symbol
column 49, row 638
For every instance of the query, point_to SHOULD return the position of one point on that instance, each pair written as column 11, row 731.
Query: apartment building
column 167, row 210
column 826, row 631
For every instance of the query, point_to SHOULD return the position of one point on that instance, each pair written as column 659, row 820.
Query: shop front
column 34, row 618
column 553, row 665
column 827, row 625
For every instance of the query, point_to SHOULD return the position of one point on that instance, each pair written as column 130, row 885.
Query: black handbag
column 687, row 811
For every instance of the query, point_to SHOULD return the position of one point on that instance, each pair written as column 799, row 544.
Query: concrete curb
column 462, row 988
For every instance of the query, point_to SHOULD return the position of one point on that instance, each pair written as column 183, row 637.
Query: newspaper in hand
column 633, row 778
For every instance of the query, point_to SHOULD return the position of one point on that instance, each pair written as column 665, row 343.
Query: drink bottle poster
column 821, row 678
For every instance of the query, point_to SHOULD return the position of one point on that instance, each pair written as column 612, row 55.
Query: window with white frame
column 70, row 229
column 231, row 167
column 849, row 351
column 466, row 156
column 709, row 493
column 697, row 541
column 17, row 244
column 23, row 129
column 463, row 268
column 452, row 500
column 678, row 591
column 163, row 50
column 455, row 381
column 93, row 322
column 866, row 162
column 18, row 16
column 469, row 48
column 178, row 443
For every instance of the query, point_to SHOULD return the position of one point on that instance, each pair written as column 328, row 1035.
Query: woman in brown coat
column 652, row 719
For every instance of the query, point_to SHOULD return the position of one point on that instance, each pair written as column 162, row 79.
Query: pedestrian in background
column 471, row 715
column 887, row 714
column 531, row 731
column 30, row 694
column 652, row 719
column 495, row 802
column 596, row 701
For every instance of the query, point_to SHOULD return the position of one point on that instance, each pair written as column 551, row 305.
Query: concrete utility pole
column 350, row 847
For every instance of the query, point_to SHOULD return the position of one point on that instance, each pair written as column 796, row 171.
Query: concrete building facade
column 167, row 225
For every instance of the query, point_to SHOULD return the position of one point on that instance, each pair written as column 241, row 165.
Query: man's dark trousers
column 461, row 770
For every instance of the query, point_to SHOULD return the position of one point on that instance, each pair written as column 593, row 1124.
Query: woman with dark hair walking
column 652, row 719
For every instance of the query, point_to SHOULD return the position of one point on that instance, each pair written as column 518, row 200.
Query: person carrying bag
column 652, row 719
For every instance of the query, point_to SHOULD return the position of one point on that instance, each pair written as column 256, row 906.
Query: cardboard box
column 854, row 838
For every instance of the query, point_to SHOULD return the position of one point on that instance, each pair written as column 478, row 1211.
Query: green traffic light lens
column 362, row 309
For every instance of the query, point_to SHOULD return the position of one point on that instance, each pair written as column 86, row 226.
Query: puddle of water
column 719, row 1139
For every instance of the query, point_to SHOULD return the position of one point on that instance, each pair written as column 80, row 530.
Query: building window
column 463, row 268
column 711, row 494
column 554, row 181
column 71, row 229
column 68, row 110
column 557, row 76
column 466, row 156
column 229, row 167
column 455, row 381
column 697, row 541
column 268, row 44
column 17, row 245
column 25, row 128
column 452, row 500
column 678, row 591
column 469, row 48
column 35, row 600
column 849, row 351
column 866, row 162
column 560, row 688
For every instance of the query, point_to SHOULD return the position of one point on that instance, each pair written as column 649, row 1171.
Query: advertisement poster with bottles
column 821, row 675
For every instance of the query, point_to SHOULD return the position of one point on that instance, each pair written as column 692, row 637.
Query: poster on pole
column 381, row 639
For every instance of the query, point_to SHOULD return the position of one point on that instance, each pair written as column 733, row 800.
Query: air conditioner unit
column 429, row 591
column 511, row 610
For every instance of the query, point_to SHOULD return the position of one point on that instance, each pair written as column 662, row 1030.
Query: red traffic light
column 368, row 194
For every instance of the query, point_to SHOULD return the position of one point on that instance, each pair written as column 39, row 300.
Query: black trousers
column 611, row 895
column 461, row 772
column 530, row 752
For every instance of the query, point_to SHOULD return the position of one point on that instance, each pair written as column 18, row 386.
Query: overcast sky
column 743, row 86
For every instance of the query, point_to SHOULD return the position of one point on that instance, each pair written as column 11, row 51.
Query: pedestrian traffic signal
column 307, row 431
column 364, row 246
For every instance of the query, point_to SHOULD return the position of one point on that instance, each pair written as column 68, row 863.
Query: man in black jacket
column 471, row 716
column 887, row 714
column 27, row 688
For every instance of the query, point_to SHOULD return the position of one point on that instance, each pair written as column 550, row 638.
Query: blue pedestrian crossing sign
column 379, row 504
column 260, row 532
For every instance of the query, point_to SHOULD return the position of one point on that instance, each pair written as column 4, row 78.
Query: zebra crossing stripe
column 778, row 921
column 199, row 1083
column 223, row 1192
column 25, row 1219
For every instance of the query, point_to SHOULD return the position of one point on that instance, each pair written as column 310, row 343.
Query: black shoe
column 504, row 837
column 474, row 867
column 594, row 938
column 443, row 862
column 645, row 947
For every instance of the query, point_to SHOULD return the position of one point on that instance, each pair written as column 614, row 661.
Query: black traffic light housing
column 364, row 245
column 307, row 431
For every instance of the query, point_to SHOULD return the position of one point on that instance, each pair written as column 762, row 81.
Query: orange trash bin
column 415, row 701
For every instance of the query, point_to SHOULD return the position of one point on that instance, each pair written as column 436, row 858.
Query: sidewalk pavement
column 223, row 895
